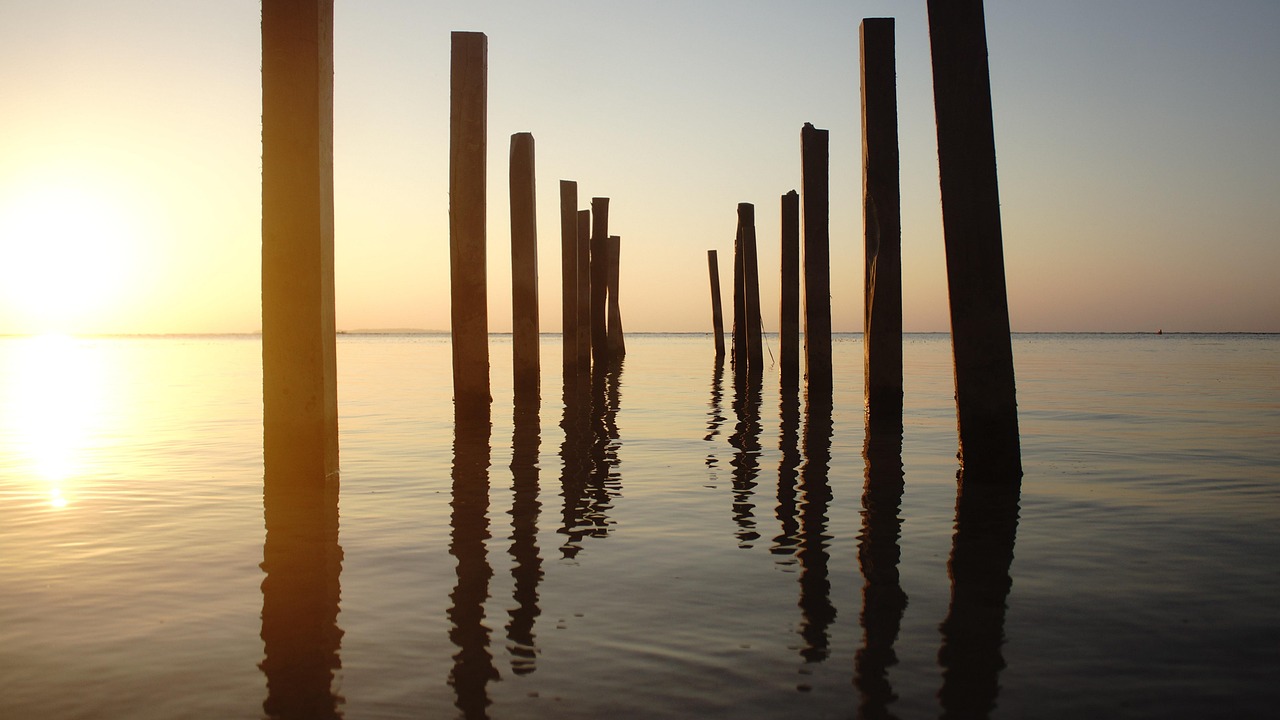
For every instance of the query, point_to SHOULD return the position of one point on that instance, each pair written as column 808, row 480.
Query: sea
column 668, row 542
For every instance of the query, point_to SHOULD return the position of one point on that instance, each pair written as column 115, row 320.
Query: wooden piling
column 525, row 339
column 738, row 353
column 717, row 316
column 617, row 343
column 584, row 291
column 751, row 287
column 467, row 207
column 789, row 322
column 299, row 368
column 986, row 403
column 599, row 281
column 882, row 226
column 814, row 144
column 569, row 275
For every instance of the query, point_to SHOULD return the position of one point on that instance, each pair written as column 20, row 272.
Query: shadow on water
column 784, row 544
column 526, row 569
column 590, row 479
column 883, row 600
column 746, row 460
column 817, row 610
column 473, row 664
column 301, row 592
column 973, row 633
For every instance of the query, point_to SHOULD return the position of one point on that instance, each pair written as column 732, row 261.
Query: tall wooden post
column 789, row 323
column 751, row 287
column 469, row 310
column 584, row 291
column 599, row 280
column 739, row 350
column 299, row 369
column 617, row 344
column 717, row 316
column 569, row 274
column 882, row 226
column 525, row 339
column 986, row 405
column 814, row 144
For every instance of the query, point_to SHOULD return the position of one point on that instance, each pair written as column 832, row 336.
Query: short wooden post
column 584, row 291
column 617, row 343
column 599, row 280
column 569, row 274
column 299, row 368
column 717, row 316
column 814, row 152
column 467, row 208
column 738, row 353
column 986, row 404
column 882, row 226
column 751, row 287
column 525, row 337
column 789, row 323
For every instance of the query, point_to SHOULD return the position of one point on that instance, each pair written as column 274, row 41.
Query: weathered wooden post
column 882, row 226
column 751, row 287
column 569, row 274
column 814, row 153
column 525, row 339
column 599, row 280
column 717, row 316
column 299, row 369
column 584, row 291
column 789, row 323
column 738, row 353
column 469, row 312
column 617, row 343
column 986, row 405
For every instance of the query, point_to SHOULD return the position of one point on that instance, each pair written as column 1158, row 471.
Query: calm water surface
column 663, row 545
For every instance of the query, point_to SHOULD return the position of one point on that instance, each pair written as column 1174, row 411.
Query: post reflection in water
column 973, row 632
column 883, row 600
column 472, row 664
column 590, row 479
column 300, row 594
column 817, row 611
column 784, row 544
column 715, row 412
column 746, row 460
column 526, row 569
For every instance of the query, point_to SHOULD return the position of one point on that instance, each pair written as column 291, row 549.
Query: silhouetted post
column 882, row 226
column 717, row 317
column 584, row 291
column 986, row 405
column 789, row 323
column 525, row 339
column 814, row 145
column 617, row 344
column 739, row 351
column 751, row 287
column 599, row 280
column 569, row 274
column 299, row 369
column 469, row 312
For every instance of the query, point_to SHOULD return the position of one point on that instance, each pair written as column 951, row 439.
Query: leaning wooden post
column 569, row 274
column 584, row 291
column 738, row 353
column 882, row 227
column 617, row 344
column 525, row 338
column 469, row 311
column 299, row 370
column 717, row 316
column 986, row 405
column 599, row 280
column 789, row 323
column 751, row 287
column 814, row 145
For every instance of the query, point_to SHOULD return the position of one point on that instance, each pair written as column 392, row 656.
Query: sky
column 1138, row 150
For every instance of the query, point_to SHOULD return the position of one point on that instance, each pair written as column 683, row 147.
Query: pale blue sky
column 1137, row 149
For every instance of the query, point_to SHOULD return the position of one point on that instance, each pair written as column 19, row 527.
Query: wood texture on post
column 738, row 352
column 789, row 322
column 525, row 340
column 569, row 274
column 299, row 369
column 617, row 343
column 584, row 291
column 986, row 403
column 599, row 280
column 469, row 312
column 815, row 199
column 882, row 226
column 717, row 315
column 751, row 288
